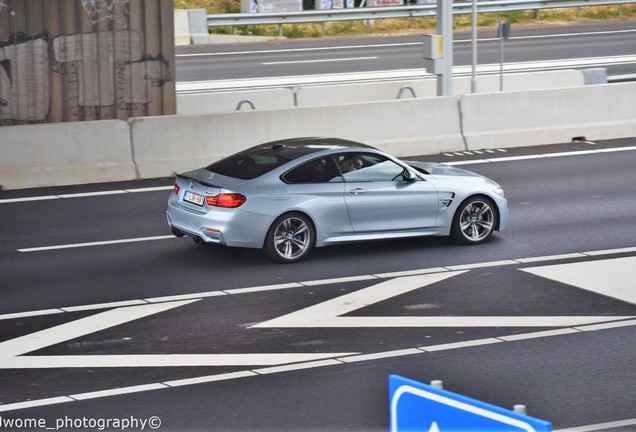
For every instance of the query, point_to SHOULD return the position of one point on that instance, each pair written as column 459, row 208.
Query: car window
column 368, row 167
column 247, row 166
column 319, row 170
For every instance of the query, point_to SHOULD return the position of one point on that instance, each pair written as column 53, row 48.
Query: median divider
column 527, row 118
column 148, row 147
column 168, row 144
column 65, row 153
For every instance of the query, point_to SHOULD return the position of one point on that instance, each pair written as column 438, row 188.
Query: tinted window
column 368, row 167
column 261, row 159
column 319, row 170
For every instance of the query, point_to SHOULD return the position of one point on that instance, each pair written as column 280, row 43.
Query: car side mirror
column 408, row 176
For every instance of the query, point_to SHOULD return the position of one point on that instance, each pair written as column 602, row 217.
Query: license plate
column 193, row 198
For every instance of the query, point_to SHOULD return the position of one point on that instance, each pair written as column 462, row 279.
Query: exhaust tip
column 177, row 233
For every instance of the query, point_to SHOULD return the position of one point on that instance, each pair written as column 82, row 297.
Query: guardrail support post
column 445, row 28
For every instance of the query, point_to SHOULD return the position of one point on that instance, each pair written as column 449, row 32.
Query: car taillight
column 225, row 200
column 176, row 188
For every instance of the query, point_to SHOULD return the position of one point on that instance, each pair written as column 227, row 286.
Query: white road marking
column 236, row 291
column 601, row 426
column 74, row 329
column 467, row 162
column 312, row 364
column 184, row 87
column 12, row 351
column 328, row 314
column 541, row 156
column 319, row 61
column 85, row 194
column 161, row 360
column 613, row 277
column 397, row 44
column 97, row 243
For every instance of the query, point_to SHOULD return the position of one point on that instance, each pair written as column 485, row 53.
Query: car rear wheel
column 290, row 238
column 474, row 221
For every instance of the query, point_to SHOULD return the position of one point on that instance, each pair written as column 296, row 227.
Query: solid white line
column 294, row 367
column 262, row 288
column 482, row 265
column 600, row 426
column 540, row 156
column 84, row 194
column 550, row 258
column 191, row 296
column 209, row 378
column 104, row 305
column 309, row 365
column 610, row 251
column 29, row 199
column 30, row 314
column 536, row 335
column 465, row 162
column 98, row 243
column 339, row 280
column 604, row 252
column 74, row 329
column 118, row 391
column 380, row 355
column 319, row 61
column 35, row 403
column 606, row 326
column 161, row 360
column 457, row 345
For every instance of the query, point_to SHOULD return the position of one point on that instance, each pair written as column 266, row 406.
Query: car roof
column 258, row 160
column 293, row 148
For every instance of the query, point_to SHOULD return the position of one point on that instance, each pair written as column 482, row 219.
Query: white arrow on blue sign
column 417, row 407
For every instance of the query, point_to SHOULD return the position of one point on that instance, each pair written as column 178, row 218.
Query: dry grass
column 409, row 25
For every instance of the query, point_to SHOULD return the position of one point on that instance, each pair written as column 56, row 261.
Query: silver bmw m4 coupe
column 289, row 196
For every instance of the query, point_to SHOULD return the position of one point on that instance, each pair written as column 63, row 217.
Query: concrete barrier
column 65, row 153
column 206, row 103
column 341, row 93
column 427, row 88
column 182, row 34
column 513, row 119
column 147, row 147
column 168, row 144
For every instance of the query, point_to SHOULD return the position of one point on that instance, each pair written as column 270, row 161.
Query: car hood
column 442, row 170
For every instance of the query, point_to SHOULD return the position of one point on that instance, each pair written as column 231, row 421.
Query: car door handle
column 358, row 191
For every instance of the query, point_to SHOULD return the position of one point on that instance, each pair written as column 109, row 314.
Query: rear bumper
column 227, row 227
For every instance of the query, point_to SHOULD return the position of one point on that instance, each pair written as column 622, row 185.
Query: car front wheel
column 290, row 238
column 474, row 221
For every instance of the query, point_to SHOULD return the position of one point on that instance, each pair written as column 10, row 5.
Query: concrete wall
column 346, row 93
column 175, row 143
column 544, row 117
column 65, row 153
column 144, row 147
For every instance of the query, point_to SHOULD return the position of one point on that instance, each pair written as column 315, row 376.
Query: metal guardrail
column 371, row 13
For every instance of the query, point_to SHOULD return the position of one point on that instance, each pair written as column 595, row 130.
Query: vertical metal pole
column 501, row 55
column 445, row 28
column 473, row 80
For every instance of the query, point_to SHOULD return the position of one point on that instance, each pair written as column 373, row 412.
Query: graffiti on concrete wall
column 96, row 73
column 105, row 9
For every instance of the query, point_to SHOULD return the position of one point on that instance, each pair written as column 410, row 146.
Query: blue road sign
column 419, row 407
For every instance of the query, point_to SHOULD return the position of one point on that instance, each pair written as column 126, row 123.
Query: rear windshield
column 246, row 167
column 256, row 161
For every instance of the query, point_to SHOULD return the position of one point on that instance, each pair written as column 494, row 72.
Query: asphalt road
column 566, row 44
column 105, row 316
